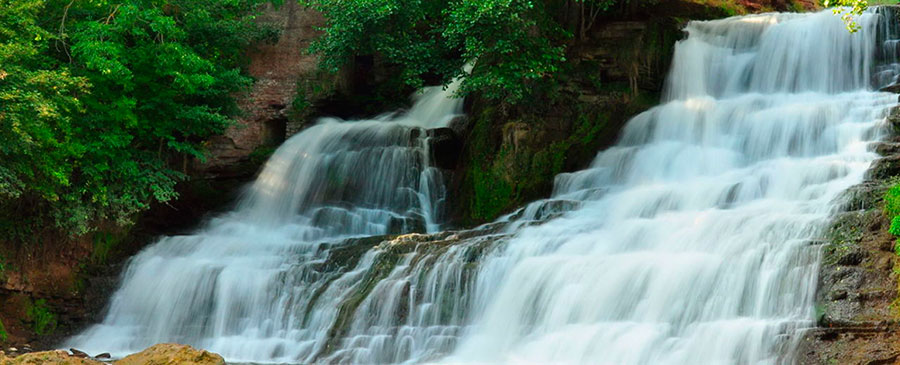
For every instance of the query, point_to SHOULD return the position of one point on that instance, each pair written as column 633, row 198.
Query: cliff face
column 268, row 117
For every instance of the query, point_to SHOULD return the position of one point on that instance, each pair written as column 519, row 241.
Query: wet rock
column 893, row 88
column 78, row 353
column 838, row 295
column 886, row 148
column 894, row 119
column 172, row 354
column 852, row 257
column 545, row 210
column 104, row 355
column 884, row 168
column 863, row 196
column 58, row 357
column 445, row 148
column 401, row 225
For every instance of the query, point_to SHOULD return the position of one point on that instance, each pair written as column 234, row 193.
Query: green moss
column 492, row 193
column 485, row 191
column 3, row 335
column 498, row 182
column 43, row 320
column 104, row 243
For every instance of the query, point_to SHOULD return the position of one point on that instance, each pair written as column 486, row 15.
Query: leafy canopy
column 102, row 102
column 848, row 10
column 514, row 42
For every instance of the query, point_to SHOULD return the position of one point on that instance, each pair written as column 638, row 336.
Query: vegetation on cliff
column 102, row 103
column 515, row 42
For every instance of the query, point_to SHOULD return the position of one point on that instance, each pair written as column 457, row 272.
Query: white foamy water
column 686, row 243
column 242, row 285
column 691, row 245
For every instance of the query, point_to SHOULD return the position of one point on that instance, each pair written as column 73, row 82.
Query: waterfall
column 689, row 242
column 241, row 284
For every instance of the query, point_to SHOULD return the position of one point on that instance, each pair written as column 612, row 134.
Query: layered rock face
column 277, row 68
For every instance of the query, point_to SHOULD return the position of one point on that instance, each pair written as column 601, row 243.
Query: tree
column 102, row 103
column 849, row 10
column 514, row 42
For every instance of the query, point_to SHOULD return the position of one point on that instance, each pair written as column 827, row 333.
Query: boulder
column 172, row 354
column 58, row 357
column 884, row 168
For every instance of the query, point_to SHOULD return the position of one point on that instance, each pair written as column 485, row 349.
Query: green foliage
column 848, row 10
column 3, row 335
column 892, row 209
column 101, row 102
column 892, row 200
column 514, row 41
column 43, row 320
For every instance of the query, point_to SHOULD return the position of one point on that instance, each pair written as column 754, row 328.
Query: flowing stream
column 686, row 243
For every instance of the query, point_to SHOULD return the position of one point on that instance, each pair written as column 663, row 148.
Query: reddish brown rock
column 277, row 69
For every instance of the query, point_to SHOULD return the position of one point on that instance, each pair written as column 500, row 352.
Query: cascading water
column 687, row 243
column 242, row 284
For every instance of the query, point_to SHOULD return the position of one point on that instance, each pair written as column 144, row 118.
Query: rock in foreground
column 58, row 357
column 161, row 354
column 172, row 354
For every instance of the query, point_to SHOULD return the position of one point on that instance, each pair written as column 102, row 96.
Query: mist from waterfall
column 688, row 242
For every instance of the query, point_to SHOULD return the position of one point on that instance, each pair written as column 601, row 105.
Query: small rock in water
column 104, row 355
column 78, row 353
column 13, row 349
column 892, row 88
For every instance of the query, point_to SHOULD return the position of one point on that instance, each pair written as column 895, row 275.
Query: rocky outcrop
column 267, row 110
column 58, row 357
column 512, row 154
column 172, row 354
column 858, row 323
column 161, row 354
